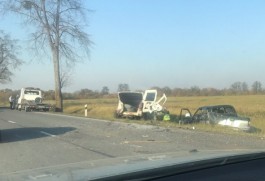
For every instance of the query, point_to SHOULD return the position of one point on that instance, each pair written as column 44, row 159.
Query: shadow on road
column 3, row 108
column 23, row 134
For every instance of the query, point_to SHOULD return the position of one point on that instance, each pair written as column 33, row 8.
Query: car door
column 149, row 99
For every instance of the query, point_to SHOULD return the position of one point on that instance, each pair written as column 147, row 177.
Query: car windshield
column 230, row 110
column 32, row 92
column 150, row 97
column 122, row 85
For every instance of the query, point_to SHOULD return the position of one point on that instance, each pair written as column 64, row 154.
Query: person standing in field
column 11, row 100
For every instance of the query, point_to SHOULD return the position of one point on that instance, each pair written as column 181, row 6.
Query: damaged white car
column 137, row 105
column 224, row 115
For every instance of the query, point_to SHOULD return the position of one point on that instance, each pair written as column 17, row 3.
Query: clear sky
column 145, row 43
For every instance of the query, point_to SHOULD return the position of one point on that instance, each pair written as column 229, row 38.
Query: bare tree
column 123, row 87
column 195, row 90
column 167, row 90
column 244, row 87
column 65, row 76
column 58, row 28
column 256, row 87
column 105, row 90
column 236, row 87
column 8, row 57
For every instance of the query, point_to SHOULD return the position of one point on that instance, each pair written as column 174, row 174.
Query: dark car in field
column 225, row 115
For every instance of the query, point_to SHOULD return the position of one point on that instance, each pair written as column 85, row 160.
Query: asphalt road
column 33, row 140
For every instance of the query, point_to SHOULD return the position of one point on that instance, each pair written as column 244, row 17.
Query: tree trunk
column 58, row 92
column 56, row 62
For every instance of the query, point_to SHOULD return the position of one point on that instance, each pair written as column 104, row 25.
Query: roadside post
column 85, row 110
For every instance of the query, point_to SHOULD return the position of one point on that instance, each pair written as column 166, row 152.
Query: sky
column 146, row 43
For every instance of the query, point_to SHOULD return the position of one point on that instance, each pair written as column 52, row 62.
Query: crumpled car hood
column 235, row 123
column 231, row 121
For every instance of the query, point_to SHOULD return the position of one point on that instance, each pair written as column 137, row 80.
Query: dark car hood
column 98, row 169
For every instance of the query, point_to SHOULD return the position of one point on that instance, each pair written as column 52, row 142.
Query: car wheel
column 38, row 100
column 116, row 115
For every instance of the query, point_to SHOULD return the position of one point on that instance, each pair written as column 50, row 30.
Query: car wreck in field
column 137, row 105
column 224, row 115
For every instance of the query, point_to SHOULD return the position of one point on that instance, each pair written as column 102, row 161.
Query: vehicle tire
column 138, row 118
column 38, row 100
column 19, row 107
column 145, row 117
column 148, row 116
column 116, row 115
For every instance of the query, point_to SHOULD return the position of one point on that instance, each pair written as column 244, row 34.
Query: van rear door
column 149, row 99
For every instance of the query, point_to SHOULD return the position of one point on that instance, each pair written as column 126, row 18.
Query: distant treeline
column 237, row 88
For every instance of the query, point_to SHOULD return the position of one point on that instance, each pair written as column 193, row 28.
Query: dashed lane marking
column 40, row 176
column 47, row 134
column 13, row 122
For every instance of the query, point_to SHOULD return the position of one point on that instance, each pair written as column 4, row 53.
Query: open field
column 252, row 106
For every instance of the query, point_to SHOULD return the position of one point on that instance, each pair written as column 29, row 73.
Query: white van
column 138, row 104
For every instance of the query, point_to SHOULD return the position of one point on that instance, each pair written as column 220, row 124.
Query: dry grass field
column 252, row 106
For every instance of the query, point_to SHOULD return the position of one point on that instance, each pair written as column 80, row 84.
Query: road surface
column 33, row 140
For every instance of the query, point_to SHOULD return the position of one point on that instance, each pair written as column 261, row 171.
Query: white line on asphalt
column 137, row 146
column 48, row 134
column 40, row 176
column 12, row 122
column 157, row 157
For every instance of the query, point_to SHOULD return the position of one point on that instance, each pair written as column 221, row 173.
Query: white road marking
column 39, row 176
column 137, row 146
column 158, row 157
column 12, row 122
column 144, row 141
column 48, row 134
